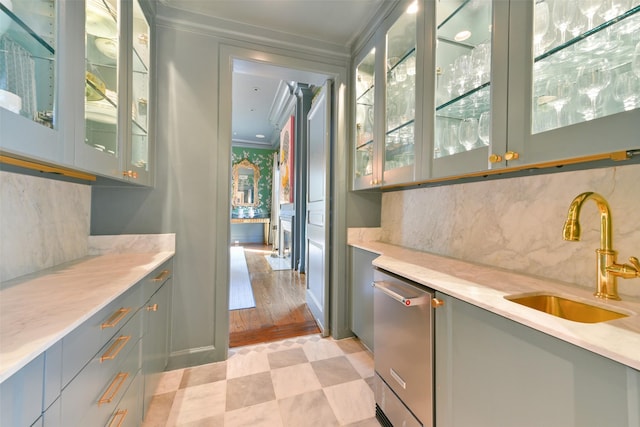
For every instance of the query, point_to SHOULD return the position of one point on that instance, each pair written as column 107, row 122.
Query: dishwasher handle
column 407, row 301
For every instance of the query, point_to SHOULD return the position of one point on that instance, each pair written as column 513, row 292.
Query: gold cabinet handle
column 495, row 158
column 163, row 275
column 130, row 174
column 115, row 348
column 115, row 318
column 435, row 302
column 113, row 388
column 153, row 307
column 511, row 155
column 119, row 415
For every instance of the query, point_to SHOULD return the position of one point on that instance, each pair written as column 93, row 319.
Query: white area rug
column 278, row 263
column 240, row 292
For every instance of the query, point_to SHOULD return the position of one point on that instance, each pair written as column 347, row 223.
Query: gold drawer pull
column 153, row 307
column 120, row 415
column 116, row 384
column 115, row 318
column 163, row 275
column 115, row 348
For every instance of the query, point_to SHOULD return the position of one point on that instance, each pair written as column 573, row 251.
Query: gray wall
column 183, row 200
column 191, row 194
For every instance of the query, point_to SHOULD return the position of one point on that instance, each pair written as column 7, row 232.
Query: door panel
column 317, row 240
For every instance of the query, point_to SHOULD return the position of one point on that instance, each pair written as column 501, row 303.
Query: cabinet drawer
column 81, row 345
column 157, row 278
column 128, row 411
column 21, row 395
column 92, row 397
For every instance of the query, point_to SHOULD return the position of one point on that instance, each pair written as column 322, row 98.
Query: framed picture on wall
column 286, row 162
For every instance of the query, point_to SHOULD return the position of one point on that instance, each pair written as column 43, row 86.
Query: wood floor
column 280, row 312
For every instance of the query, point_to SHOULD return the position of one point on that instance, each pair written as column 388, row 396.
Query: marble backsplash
column 132, row 243
column 43, row 222
column 516, row 223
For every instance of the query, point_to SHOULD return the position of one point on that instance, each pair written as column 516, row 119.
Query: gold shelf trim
column 45, row 168
column 616, row 156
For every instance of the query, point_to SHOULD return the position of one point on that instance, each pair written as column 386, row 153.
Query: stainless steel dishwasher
column 403, row 357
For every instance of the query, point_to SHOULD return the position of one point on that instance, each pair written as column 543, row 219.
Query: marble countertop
column 39, row 309
column 486, row 287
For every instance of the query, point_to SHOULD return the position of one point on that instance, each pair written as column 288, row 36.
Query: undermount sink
column 566, row 308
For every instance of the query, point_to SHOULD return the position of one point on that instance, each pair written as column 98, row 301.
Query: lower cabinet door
column 21, row 395
column 155, row 342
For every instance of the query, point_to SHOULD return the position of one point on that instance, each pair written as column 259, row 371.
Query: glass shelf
column 27, row 59
column 590, row 74
column 400, row 102
column 102, row 64
column 463, row 73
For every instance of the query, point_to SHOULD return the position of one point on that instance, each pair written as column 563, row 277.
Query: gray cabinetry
column 386, row 106
column 491, row 371
column 53, row 64
column 155, row 346
column 362, row 295
column 99, row 372
column 21, row 395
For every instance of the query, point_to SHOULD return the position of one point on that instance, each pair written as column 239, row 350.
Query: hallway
column 280, row 312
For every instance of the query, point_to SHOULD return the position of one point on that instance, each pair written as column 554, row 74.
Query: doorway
column 269, row 108
column 337, row 256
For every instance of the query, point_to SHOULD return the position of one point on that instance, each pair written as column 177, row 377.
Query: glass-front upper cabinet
column 465, row 130
column 583, row 60
column 366, row 165
column 102, row 146
column 28, row 53
column 138, row 153
column 400, row 96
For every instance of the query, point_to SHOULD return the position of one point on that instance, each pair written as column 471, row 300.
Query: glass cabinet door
column 586, row 61
column 400, row 97
column 577, row 74
column 463, row 93
column 365, row 149
column 139, row 139
column 29, row 57
column 101, row 71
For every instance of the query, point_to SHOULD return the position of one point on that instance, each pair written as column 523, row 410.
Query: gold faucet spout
column 571, row 230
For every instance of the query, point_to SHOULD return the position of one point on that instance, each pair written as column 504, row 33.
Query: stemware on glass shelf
column 563, row 16
column 626, row 90
column 540, row 25
column 468, row 132
column 593, row 77
column 484, row 128
column 585, row 72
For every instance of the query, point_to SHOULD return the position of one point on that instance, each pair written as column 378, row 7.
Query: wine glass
column 540, row 24
column 589, row 9
column 613, row 8
column 450, row 140
column 564, row 13
column 463, row 71
column 480, row 61
column 592, row 78
column 626, row 89
column 559, row 89
column 468, row 132
column 484, row 127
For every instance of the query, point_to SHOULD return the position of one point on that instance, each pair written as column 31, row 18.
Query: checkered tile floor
column 304, row 381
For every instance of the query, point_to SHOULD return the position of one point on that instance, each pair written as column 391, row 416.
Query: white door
column 318, row 204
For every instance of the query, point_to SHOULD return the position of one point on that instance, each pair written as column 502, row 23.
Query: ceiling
column 255, row 85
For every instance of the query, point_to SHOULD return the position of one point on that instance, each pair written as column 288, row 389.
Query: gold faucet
column 607, row 269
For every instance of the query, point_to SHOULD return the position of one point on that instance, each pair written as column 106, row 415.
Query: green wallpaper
column 264, row 160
